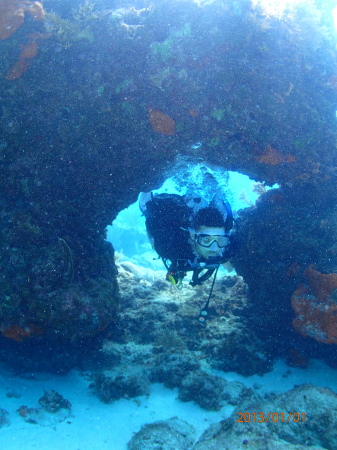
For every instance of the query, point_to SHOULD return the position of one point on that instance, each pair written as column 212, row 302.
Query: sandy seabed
column 95, row 425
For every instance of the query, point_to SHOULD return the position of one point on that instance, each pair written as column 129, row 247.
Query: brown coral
column 12, row 15
column 316, row 315
column 313, row 318
column 18, row 333
column 321, row 284
column 161, row 123
column 21, row 66
column 273, row 157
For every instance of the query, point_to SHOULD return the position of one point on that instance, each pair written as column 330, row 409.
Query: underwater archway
column 96, row 111
column 128, row 235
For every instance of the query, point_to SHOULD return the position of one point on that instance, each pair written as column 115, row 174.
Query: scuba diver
column 189, row 234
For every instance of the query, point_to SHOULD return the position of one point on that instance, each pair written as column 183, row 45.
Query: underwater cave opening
column 128, row 234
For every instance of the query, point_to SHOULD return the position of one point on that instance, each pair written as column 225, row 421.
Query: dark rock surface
column 127, row 383
column 114, row 100
column 212, row 392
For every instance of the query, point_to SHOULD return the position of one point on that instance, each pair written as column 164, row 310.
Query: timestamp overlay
column 266, row 417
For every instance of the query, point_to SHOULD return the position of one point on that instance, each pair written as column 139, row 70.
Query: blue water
column 128, row 233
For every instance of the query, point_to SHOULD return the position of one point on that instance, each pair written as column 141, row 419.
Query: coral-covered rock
column 52, row 402
column 121, row 384
column 54, row 409
column 239, row 353
column 311, row 416
column 101, row 115
column 171, row 369
column 316, row 308
column 223, row 343
column 171, row 434
column 12, row 15
column 273, row 270
column 211, row 392
column 300, row 418
column 78, row 303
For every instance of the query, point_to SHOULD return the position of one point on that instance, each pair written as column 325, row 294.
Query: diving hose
column 204, row 312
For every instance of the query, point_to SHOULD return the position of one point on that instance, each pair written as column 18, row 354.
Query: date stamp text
column 261, row 417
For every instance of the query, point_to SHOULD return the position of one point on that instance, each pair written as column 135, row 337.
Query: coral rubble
column 181, row 354
column 54, row 409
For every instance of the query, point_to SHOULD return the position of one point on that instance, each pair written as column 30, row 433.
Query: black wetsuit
column 167, row 222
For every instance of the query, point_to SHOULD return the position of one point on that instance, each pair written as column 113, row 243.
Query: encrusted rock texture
column 100, row 104
column 312, row 428
column 157, row 338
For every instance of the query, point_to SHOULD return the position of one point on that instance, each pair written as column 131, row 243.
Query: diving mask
column 209, row 237
column 207, row 240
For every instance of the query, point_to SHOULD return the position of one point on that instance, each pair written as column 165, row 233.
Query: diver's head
column 208, row 236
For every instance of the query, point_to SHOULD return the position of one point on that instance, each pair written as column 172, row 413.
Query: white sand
column 95, row 425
